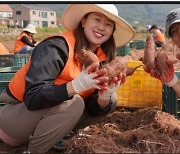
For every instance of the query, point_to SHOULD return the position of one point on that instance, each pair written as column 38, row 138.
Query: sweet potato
column 130, row 71
column 178, row 56
column 116, row 66
column 162, row 67
column 119, row 64
column 87, row 57
column 149, row 55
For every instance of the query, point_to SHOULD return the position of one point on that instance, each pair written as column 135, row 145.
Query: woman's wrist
column 70, row 89
column 103, row 103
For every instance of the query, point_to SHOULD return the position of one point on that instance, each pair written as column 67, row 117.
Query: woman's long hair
column 108, row 47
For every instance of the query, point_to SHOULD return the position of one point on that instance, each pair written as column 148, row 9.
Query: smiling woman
column 63, row 93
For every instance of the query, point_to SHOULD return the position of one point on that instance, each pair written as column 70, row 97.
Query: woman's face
column 30, row 34
column 175, row 33
column 97, row 28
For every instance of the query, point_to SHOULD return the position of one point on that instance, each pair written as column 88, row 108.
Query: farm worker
column 25, row 40
column 172, row 30
column 148, row 27
column 58, row 94
column 158, row 36
column 3, row 49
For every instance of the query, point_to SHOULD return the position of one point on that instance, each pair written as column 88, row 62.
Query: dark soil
column 142, row 131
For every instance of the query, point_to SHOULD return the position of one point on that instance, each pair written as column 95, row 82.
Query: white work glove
column 115, row 84
column 106, row 94
column 173, row 81
column 89, row 78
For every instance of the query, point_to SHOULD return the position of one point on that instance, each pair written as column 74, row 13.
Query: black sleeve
column 33, row 41
column 25, row 40
column 93, row 108
column 47, row 62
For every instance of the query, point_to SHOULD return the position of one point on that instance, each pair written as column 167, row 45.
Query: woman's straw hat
column 30, row 28
column 73, row 14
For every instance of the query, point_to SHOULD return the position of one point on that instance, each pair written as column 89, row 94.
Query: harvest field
column 145, row 130
column 123, row 131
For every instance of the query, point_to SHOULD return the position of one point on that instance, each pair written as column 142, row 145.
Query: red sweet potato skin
column 130, row 71
column 117, row 66
column 149, row 54
column 178, row 56
column 87, row 57
column 161, row 65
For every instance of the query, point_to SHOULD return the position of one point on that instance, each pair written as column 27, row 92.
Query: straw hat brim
column 73, row 14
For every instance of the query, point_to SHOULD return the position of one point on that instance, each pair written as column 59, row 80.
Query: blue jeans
column 26, row 49
column 159, row 44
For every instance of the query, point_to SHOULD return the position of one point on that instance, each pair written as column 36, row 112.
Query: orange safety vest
column 71, row 70
column 19, row 44
column 3, row 49
column 159, row 36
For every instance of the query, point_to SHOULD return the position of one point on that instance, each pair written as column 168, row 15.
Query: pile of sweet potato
column 152, row 60
column 116, row 66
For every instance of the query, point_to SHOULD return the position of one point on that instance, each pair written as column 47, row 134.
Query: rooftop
column 5, row 8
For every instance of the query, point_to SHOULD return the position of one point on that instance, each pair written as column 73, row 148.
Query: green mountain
column 146, row 13
column 135, row 14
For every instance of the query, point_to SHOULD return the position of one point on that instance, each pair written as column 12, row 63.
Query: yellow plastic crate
column 140, row 90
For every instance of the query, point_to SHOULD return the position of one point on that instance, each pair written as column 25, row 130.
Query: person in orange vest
column 53, row 94
column 172, row 31
column 3, row 49
column 25, row 41
column 158, row 36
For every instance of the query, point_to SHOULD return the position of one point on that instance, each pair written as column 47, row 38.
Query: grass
column 43, row 33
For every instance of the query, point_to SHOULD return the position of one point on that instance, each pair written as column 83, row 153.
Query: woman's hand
column 36, row 43
column 89, row 78
column 170, row 79
column 105, row 94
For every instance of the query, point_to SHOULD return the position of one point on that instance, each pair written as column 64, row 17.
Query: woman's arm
column 47, row 62
column 95, row 108
column 33, row 40
column 25, row 40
